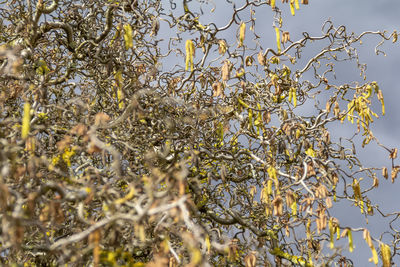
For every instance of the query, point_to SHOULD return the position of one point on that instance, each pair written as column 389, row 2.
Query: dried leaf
column 395, row 171
column 217, row 89
column 101, row 118
column 79, row 129
column 285, row 37
column 249, row 61
column 336, row 109
column 395, row 36
column 155, row 26
column 385, row 172
column 278, row 205
column 250, row 260
column 380, row 97
column 233, row 252
column 328, row 202
column 393, row 154
column 222, row 47
column 226, row 70
column 261, row 58
column 267, row 117
column 289, row 198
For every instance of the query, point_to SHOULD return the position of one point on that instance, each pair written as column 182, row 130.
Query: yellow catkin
column 190, row 50
column 291, row 7
column 128, row 36
column 242, row 33
column 26, row 121
column 278, row 39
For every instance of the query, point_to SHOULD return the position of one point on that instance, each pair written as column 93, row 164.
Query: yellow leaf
column 278, row 39
column 128, row 36
column 296, row 4
column 242, row 33
column 26, row 121
column 273, row 4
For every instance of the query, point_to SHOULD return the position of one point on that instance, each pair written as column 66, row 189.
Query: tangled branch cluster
column 110, row 154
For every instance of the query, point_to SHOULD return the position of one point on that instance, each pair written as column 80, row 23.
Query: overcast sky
column 358, row 16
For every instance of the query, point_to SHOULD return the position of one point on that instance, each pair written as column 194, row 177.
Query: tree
column 134, row 133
